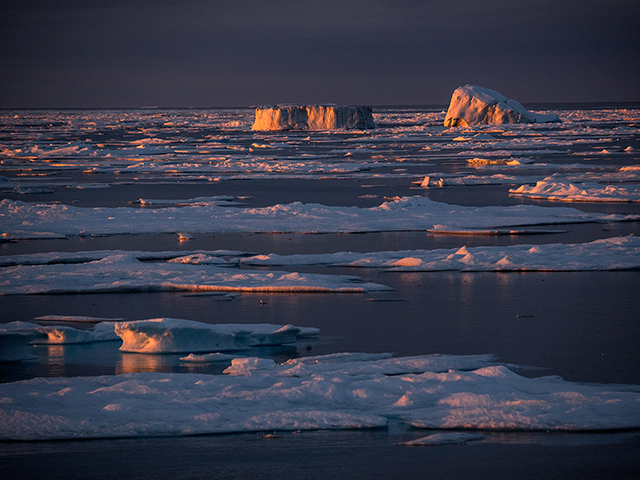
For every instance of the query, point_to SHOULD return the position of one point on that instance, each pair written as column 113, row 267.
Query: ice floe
column 551, row 189
column 618, row 253
column 171, row 335
column 312, row 117
column 120, row 271
column 471, row 105
column 431, row 391
column 32, row 220
column 62, row 335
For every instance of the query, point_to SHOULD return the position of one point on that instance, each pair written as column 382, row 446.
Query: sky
column 233, row 53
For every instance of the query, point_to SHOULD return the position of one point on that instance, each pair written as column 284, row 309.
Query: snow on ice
column 431, row 391
column 551, row 189
column 618, row 253
column 472, row 105
column 157, row 335
column 123, row 272
column 27, row 220
column 312, row 117
column 171, row 335
column 119, row 271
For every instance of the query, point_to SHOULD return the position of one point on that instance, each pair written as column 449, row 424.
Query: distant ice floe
column 257, row 395
column 26, row 220
column 472, row 105
column 619, row 253
column 312, row 117
column 550, row 189
column 119, row 271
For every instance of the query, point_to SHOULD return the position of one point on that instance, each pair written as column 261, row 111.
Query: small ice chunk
column 456, row 438
column 244, row 366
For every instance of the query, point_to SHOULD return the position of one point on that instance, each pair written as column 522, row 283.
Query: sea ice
column 551, row 189
column 456, row 438
column 171, row 335
column 60, row 334
column 33, row 220
column 472, row 105
column 120, row 271
column 617, row 253
column 264, row 396
column 312, row 117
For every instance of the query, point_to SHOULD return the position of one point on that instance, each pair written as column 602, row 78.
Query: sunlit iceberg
column 472, row 105
column 312, row 117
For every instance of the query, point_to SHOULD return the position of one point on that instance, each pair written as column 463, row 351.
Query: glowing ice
column 312, row 117
column 472, row 105
column 171, row 335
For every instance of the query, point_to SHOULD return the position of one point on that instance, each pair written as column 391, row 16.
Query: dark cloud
column 242, row 52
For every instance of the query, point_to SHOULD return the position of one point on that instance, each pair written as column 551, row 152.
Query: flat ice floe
column 124, row 272
column 619, row 253
column 431, row 391
column 22, row 220
column 119, row 271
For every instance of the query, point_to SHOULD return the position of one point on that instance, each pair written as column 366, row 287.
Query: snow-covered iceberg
column 430, row 391
column 173, row 335
column 472, row 105
column 312, row 117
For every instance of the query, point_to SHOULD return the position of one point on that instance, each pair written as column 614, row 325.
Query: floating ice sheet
column 443, row 392
column 618, row 253
column 123, row 272
column 26, row 220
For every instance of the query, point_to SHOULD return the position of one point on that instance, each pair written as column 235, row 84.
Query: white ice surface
column 442, row 392
column 550, row 189
column 171, row 335
column 312, row 117
column 618, row 253
column 61, row 334
column 120, row 271
column 472, row 105
column 27, row 220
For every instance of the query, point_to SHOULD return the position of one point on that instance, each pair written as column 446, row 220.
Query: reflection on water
column 105, row 358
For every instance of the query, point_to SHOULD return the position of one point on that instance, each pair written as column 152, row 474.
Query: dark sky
column 169, row 53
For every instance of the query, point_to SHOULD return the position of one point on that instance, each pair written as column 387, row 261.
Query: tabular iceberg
column 312, row 117
column 472, row 105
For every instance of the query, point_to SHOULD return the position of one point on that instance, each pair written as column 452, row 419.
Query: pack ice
column 312, row 117
column 472, row 105
column 342, row 391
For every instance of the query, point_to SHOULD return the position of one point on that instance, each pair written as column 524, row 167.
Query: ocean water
column 583, row 326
